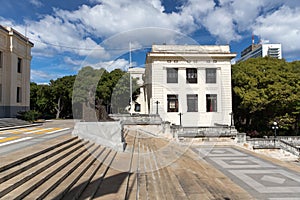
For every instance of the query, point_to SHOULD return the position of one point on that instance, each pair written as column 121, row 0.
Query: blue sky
column 71, row 34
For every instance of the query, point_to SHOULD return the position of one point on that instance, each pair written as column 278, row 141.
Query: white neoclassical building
column 190, row 84
column 15, row 58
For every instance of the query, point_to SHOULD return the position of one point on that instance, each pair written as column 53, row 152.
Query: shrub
column 30, row 115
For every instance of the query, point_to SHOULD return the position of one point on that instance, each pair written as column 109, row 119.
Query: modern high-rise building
column 261, row 50
column 15, row 58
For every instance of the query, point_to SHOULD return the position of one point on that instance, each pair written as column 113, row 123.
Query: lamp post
column 180, row 114
column 231, row 116
column 275, row 127
column 157, row 102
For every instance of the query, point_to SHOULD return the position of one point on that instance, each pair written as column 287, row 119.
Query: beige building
column 15, row 58
column 190, row 84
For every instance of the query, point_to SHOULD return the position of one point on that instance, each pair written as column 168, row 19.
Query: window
column 172, row 103
column 19, row 94
column 172, row 75
column 137, row 107
column 0, row 92
column 192, row 103
column 191, row 75
column 1, row 59
column 19, row 65
column 211, row 103
column 211, row 75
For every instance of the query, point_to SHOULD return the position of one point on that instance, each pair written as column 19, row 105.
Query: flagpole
column 130, row 80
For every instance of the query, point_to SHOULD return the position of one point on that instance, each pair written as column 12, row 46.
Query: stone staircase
column 149, row 168
column 67, row 170
column 8, row 123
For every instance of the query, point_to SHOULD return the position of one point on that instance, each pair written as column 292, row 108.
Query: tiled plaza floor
column 262, row 178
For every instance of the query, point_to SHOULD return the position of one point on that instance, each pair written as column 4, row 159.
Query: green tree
column 265, row 90
column 41, row 99
column 62, row 89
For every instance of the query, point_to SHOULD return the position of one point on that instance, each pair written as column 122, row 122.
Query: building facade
column 139, row 105
column 15, row 58
column 261, row 50
column 190, row 85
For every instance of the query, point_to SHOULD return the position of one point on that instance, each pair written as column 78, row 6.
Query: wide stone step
column 93, row 189
column 86, row 176
column 64, row 180
column 7, row 163
column 15, row 170
column 21, row 185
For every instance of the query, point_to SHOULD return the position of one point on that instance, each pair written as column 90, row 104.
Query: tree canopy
column 94, row 88
column 266, row 90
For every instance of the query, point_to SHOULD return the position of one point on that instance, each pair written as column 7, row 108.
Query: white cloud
column 69, row 60
column 42, row 77
column 115, row 64
column 281, row 26
column 219, row 23
column 109, row 18
column 110, row 65
column 36, row 3
column 79, row 31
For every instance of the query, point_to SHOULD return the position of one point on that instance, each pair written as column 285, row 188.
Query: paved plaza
column 261, row 178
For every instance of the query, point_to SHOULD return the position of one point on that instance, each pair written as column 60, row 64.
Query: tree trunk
column 58, row 108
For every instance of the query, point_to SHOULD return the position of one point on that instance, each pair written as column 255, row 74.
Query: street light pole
column 180, row 114
column 157, row 102
column 275, row 127
column 231, row 116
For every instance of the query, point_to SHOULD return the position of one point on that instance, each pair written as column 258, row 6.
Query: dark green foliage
column 266, row 90
column 66, row 96
column 29, row 116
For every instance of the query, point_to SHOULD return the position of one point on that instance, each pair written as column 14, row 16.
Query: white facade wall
column 219, row 58
column 14, row 46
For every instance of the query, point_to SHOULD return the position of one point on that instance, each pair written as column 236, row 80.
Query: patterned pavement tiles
column 261, row 178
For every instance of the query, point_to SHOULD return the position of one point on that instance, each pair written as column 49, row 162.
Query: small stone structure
column 109, row 134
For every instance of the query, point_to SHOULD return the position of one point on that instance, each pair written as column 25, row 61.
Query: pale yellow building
column 15, row 58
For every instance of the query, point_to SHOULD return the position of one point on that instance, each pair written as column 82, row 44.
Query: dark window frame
column 211, row 103
column 0, row 92
column 137, row 107
column 172, row 103
column 172, row 75
column 211, row 75
column 192, row 102
column 19, row 95
column 19, row 67
column 1, row 59
column 191, row 75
